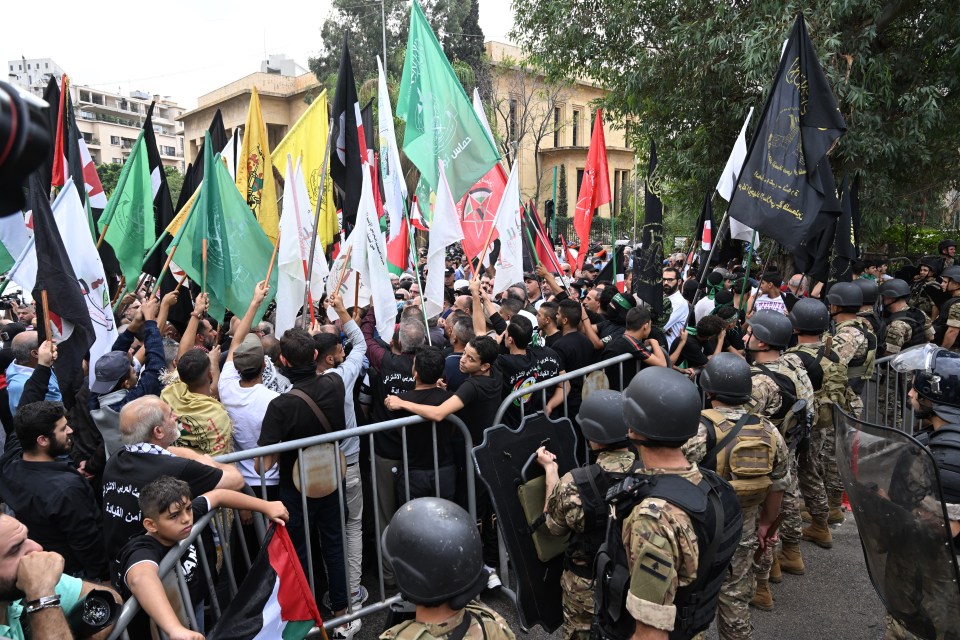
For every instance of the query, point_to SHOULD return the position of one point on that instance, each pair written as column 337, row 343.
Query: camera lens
column 24, row 143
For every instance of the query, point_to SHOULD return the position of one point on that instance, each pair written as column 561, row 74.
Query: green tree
column 692, row 70
column 174, row 183
column 562, row 192
column 109, row 173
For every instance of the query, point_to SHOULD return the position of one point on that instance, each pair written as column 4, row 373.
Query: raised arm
column 189, row 337
column 246, row 322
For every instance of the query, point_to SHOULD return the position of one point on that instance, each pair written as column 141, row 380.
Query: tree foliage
column 688, row 72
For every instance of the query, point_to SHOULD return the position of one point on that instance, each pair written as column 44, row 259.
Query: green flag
column 238, row 251
column 441, row 122
column 129, row 214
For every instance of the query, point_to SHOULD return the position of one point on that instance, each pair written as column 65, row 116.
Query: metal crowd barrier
column 223, row 521
column 885, row 400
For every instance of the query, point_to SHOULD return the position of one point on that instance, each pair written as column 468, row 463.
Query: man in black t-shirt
column 691, row 352
column 635, row 340
column 547, row 316
column 476, row 403
column 574, row 350
column 428, row 365
column 524, row 366
column 148, row 427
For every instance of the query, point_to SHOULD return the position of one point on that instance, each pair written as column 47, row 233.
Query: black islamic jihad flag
column 648, row 269
column 784, row 178
column 844, row 245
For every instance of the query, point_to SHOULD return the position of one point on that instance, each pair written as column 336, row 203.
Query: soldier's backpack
column 717, row 522
column 791, row 418
column 825, row 372
column 861, row 369
column 917, row 322
column 743, row 456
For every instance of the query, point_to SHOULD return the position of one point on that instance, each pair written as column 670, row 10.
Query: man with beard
column 33, row 587
column 49, row 495
column 925, row 292
column 679, row 307
column 41, row 488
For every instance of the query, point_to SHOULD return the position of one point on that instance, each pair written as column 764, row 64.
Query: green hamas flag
column 129, row 214
column 441, row 122
column 238, row 251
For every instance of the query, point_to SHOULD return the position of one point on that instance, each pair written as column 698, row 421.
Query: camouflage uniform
column 662, row 556
column 952, row 321
column 739, row 588
column 565, row 514
column 766, row 401
column 817, row 455
column 922, row 295
column 486, row 625
column 851, row 345
column 893, row 390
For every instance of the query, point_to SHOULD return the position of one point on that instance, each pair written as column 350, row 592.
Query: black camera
column 24, row 143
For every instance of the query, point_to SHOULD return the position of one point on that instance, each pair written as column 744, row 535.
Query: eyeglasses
column 670, row 279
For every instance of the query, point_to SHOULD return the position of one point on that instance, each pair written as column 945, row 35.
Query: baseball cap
column 588, row 267
column 12, row 329
column 449, row 272
column 529, row 275
column 461, row 284
column 110, row 369
column 249, row 354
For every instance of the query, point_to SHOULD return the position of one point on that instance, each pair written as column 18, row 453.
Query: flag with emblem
column 444, row 231
column 648, row 266
column 346, row 156
column 510, row 229
column 255, row 170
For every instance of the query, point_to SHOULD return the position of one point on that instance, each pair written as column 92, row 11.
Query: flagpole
column 203, row 288
column 46, row 315
column 635, row 196
column 103, row 233
column 316, row 218
column 416, row 271
column 273, row 258
column 553, row 223
column 713, row 247
column 153, row 249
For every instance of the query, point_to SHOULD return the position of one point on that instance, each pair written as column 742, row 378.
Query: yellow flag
column 307, row 140
column 255, row 171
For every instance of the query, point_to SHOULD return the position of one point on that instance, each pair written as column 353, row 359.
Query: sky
column 177, row 48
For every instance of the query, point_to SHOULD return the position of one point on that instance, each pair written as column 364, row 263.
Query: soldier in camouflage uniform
column 726, row 382
column 601, row 421
column 768, row 335
column 661, row 409
column 925, row 289
column 904, row 327
column 434, row 549
column 828, row 373
column 947, row 325
column 852, row 339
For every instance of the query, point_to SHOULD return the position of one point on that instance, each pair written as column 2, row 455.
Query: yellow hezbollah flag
column 307, row 139
column 255, row 171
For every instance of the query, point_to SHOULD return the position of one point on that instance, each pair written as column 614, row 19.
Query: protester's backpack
column 717, row 519
column 741, row 453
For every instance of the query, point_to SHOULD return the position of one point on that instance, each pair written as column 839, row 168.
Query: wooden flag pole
column 343, row 272
column 102, row 235
column 203, row 289
column 486, row 245
column 316, row 218
column 356, row 292
column 273, row 258
column 46, row 315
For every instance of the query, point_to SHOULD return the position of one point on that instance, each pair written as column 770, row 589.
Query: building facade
column 33, row 74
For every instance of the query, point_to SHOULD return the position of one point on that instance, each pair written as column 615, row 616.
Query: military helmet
column 953, row 273
column 936, row 373
column 727, row 376
column 895, row 288
column 869, row 289
column 662, row 405
column 434, row 549
column 945, row 244
column 601, row 417
column 809, row 315
column 845, row 294
column 771, row 327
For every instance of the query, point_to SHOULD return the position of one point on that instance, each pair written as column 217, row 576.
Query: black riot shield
column 894, row 489
column 506, row 460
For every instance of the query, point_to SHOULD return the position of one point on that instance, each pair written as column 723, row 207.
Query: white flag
column 444, row 231
column 348, row 282
column 482, row 115
column 14, row 234
column 508, row 224
column 369, row 258
column 296, row 233
column 728, row 180
column 71, row 219
column 394, row 186
column 230, row 151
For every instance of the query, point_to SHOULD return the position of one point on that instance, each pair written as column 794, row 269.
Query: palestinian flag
column 274, row 600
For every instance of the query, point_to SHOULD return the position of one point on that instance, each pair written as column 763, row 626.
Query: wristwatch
column 46, row 602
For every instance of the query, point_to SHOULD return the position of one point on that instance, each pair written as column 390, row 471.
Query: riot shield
column 894, row 489
column 505, row 460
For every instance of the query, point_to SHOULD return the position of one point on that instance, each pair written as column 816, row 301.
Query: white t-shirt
column 246, row 407
column 704, row 307
column 766, row 303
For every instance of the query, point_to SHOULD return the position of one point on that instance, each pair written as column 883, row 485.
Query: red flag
column 59, row 151
column 416, row 219
column 569, row 255
column 398, row 249
column 594, row 190
column 478, row 208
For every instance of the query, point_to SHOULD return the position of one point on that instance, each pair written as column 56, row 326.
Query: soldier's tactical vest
column 944, row 444
column 915, row 320
column 861, row 367
column 717, row 522
column 788, row 392
column 940, row 324
column 871, row 316
column 742, row 456
column 592, row 482
column 831, row 385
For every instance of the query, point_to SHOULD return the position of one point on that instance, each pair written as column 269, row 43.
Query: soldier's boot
column 764, row 598
column 805, row 515
column 836, row 515
column 790, row 559
column 776, row 575
column 819, row 534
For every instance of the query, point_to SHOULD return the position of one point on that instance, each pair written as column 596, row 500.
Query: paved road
column 833, row 600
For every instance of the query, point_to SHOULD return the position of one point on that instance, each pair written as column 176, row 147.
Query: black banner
column 648, row 265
